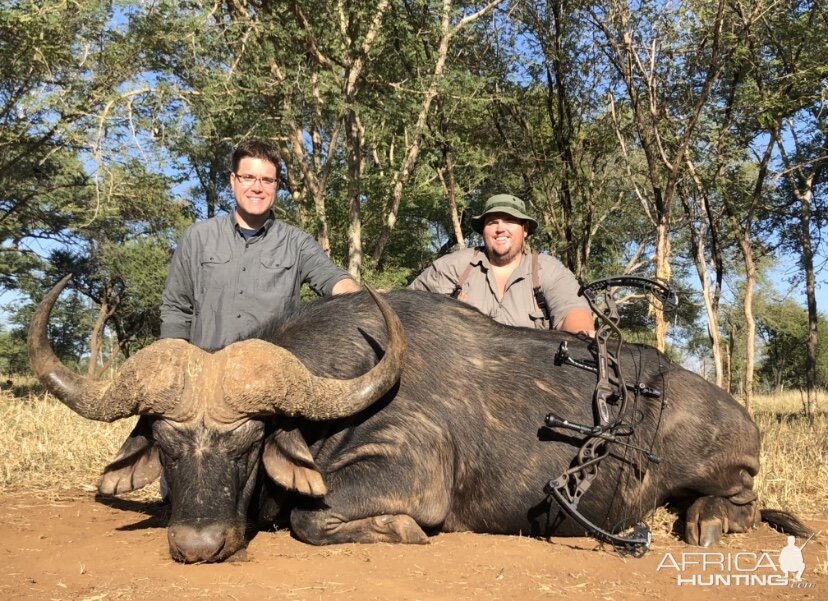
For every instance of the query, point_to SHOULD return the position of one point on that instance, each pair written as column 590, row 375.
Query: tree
column 553, row 141
column 790, row 90
column 668, row 61
column 784, row 329
column 60, row 66
column 803, row 150
column 69, row 327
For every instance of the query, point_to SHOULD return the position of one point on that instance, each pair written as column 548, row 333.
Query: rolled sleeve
column 560, row 288
column 318, row 270
column 430, row 280
column 440, row 277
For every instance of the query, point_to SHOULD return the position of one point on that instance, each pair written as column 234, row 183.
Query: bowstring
column 640, row 463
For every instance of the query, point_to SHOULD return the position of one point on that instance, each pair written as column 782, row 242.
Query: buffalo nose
column 193, row 543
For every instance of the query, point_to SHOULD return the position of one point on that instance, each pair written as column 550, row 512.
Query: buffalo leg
column 325, row 527
column 380, row 492
column 708, row 518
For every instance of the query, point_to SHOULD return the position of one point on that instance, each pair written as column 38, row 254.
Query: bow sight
column 610, row 389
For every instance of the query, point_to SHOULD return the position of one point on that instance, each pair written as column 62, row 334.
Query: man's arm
column 578, row 321
column 177, row 300
column 317, row 269
column 560, row 288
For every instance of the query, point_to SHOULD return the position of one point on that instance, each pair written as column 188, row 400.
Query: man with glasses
column 233, row 273
column 504, row 281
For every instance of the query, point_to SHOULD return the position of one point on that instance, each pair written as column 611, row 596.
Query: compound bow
column 610, row 389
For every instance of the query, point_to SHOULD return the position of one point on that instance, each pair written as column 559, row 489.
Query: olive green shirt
column 221, row 287
column 518, row 306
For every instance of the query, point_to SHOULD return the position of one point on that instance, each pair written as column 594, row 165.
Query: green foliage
column 60, row 65
column 117, row 120
column 69, row 327
column 783, row 326
column 14, row 358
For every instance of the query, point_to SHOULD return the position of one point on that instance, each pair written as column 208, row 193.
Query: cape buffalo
column 366, row 425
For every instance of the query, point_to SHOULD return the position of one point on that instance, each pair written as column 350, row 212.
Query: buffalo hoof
column 319, row 528
column 706, row 521
column 403, row 528
column 708, row 518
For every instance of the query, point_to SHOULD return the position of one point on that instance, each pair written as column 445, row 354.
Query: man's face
column 503, row 236
column 254, row 198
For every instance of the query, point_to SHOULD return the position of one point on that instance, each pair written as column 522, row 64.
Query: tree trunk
column 731, row 350
column 741, row 221
column 450, row 187
column 562, row 131
column 805, row 196
column 353, row 145
column 96, row 339
column 663, row 273
column 113, row 357
column 703, row 217
column 315, row 173
column 750, row 321
column 214, row 171
column 107, row 309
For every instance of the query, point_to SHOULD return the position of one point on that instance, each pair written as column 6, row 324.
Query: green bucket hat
column 504, row 203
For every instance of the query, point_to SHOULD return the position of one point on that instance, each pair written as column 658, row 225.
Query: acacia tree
column 803, row 178
column 66, row 82
column 798, row 41
column 783, row 328
column 59, row 64
column 449, row 28
column 555, row 126
column 764, row 91
column 667, row 59
column 703, row 222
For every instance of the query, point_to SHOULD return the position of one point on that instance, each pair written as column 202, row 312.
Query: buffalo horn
column 92, row 399
column 279, row 383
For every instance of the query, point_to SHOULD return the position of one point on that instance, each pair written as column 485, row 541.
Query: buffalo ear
column 288, row 461
column 136, row 464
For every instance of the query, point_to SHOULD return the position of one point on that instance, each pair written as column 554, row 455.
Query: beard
column 503, row 256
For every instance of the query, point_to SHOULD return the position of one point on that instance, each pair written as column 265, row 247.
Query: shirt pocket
column 277, row 280
column 216, row 270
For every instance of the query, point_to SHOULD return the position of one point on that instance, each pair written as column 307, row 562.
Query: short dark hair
column 257, row 149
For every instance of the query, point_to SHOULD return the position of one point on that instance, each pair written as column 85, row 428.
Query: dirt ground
column 75, row 547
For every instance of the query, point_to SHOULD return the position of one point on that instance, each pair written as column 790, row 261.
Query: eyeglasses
column 248, row 180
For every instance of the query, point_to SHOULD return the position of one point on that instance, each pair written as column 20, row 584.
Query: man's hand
column 344, row 286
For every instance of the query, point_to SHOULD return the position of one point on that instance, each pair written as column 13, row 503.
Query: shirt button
column 244, row 268
column 241, row 292
column 238, row 316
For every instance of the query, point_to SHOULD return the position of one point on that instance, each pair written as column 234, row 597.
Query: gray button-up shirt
column 518, row 306
column 222, row 287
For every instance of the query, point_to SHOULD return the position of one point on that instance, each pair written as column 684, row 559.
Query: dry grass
column 47, row 447
column 794, row 455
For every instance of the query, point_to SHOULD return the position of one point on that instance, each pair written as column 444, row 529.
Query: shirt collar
column 262, row 231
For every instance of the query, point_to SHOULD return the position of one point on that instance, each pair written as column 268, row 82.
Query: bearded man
column 504, row 281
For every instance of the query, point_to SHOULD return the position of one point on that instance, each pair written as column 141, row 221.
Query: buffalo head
column 205, row 421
